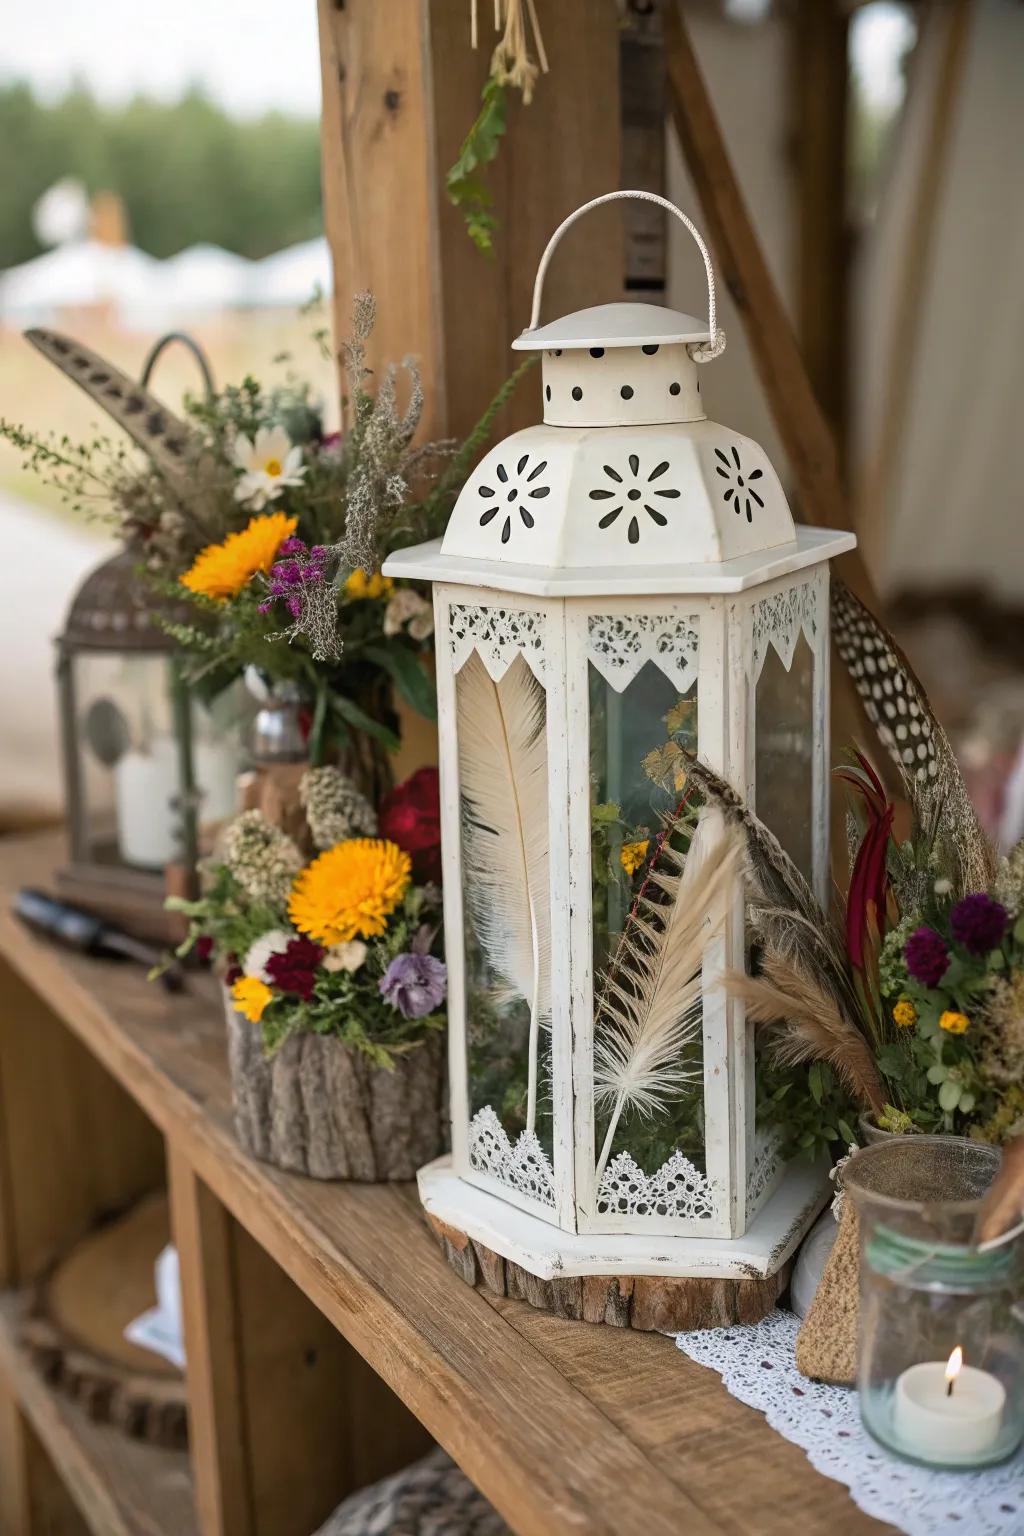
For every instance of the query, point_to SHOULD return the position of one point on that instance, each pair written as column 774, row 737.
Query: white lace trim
column 780, row 619
column 620, row 644
column 499, row 634
column 764, row 1170
column 525, row 1166
column 756, row 1364
column 678, row 1190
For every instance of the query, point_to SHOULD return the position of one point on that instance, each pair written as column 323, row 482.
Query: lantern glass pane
column 507, row 904
column 784, row 763
column 637, row 740
column 127, row 758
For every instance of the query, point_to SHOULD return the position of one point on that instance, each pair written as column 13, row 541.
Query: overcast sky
column 250, row 55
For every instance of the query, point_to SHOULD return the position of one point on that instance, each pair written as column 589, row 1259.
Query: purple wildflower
column 927, row 956
column 978, row 923
column 415, row 984
column 292, row 546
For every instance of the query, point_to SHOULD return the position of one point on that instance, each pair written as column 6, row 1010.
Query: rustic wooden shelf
column 122, row 1486
column 565, row 1427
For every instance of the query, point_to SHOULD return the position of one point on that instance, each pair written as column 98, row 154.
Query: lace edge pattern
column 677, row 1191
column 499, row 635
column 780, row 619
column 522, row 1165
column 619, row 645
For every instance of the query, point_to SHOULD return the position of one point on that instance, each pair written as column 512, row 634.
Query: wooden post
column 802, row 426
column 401, row 87
column 820, row 36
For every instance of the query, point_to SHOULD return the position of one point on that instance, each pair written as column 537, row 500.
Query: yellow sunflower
column 368, row 584
column 250, row 996
column 350, row 891
column 222, row 570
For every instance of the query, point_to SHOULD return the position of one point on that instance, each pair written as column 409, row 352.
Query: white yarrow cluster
column 261, row 857
column 335, row 809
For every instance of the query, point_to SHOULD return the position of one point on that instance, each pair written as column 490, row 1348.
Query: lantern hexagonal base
column 550, row 1253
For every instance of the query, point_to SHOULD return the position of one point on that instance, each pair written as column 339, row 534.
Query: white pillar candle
column 948, row 1413
column 146, row 784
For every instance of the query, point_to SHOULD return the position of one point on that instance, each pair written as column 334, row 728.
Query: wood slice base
column 74, row 1321
column 650, row 1303
column 320, row 1108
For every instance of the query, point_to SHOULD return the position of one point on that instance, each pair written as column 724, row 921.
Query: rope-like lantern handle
column 701, row 352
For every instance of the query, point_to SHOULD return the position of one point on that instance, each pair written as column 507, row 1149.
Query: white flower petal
column 292, row 463
column 243, row 452
column 274, row 443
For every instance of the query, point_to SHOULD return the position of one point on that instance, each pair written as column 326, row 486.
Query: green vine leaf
column 467, row 190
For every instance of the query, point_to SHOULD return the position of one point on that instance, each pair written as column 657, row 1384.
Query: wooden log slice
column 650, row 1303
column 320, row 1108
column 74, row 1321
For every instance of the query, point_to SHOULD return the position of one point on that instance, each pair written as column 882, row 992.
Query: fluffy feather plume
column 649, row 1008
column 785, row 917
column 897, row 705
column 808, row 1025
column 503, row 778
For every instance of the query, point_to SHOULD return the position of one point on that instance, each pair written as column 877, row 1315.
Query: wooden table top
column 565, row 1426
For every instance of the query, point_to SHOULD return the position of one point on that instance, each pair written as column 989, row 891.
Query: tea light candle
column 948, row 1413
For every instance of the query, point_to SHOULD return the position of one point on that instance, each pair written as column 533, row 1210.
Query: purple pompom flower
column 292, row 546
column 927, row 956
column 978, row 923
column 415, row 984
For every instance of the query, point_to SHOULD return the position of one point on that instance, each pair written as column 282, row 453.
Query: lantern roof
column 114, row 611
column 615, row 325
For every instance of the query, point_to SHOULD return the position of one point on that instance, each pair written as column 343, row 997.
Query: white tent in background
column 83, row 273
column 205, row 277
column 290, row 277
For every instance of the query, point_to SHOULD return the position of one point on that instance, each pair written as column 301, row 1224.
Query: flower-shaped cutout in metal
column 740, row 492
column 511, row 495
column 632, row 497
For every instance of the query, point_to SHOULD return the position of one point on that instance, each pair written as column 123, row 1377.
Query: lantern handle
column 701, row 352
column 185, row 340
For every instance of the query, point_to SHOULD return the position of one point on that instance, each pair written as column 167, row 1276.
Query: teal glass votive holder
column 941, row 1340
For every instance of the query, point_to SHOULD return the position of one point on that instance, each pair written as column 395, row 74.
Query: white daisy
column 268, row 465
column 345, row 957
column 274, row 942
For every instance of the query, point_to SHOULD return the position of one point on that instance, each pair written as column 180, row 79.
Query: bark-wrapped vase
column 319, row 1107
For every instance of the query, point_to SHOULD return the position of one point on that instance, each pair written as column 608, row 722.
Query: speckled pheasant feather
column 897, row 705
column 171, row 444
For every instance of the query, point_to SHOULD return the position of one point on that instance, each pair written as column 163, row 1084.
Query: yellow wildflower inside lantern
column 350, row 891
column 368, row 584
column 904, row 1014
column 632, row 855
column 221, row 571
column 954, row 1023
column 250, row 996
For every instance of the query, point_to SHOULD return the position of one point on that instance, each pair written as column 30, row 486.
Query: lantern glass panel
column 784, row 761
column 507, row 918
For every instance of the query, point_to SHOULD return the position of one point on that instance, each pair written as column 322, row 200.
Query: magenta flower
column 415, row 984
column 978, row 923
column 927, row 956
column 294, row 969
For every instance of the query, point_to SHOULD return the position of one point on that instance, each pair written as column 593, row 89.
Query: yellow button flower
column 632, row 855
column 904, row 1014
column 368, row 584
column 250, row 996
column 954, row 1023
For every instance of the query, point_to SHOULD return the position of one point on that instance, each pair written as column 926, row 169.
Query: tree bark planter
column 320, row 1108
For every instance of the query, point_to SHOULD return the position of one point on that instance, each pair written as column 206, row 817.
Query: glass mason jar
column 941, row 1347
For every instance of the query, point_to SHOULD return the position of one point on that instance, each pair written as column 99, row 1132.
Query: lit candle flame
column 953, row 1368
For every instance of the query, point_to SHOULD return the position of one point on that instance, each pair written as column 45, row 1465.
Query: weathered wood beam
column 401, row 87
column 805, row 433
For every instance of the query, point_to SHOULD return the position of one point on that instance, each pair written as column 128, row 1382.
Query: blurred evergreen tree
column 185, row 171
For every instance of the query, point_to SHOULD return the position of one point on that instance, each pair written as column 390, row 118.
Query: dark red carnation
column 233, row 973
column 294, row 969
column 411, row 817
column 203, row 947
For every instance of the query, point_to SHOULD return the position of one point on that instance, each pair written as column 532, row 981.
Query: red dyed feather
column 869, row 881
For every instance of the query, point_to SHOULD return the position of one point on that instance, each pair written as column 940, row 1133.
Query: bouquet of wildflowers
column 343, row 940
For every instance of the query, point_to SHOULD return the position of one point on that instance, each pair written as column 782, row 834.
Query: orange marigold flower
column 350, row 891
column 954, row 1023
column 221, row 571
column 250, row 996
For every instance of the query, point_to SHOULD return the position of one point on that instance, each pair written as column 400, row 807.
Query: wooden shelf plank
column 121, row 1486
column 563, row 1426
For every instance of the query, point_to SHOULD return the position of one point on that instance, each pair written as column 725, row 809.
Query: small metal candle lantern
column 941, row 1353
column 621, row 581
column 126, row 732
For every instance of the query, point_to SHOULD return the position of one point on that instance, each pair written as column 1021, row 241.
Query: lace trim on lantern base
column 764, row 1171
column 525, row 1166
column 678, row 1190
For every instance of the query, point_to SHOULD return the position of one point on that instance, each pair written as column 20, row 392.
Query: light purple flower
column 415, row 984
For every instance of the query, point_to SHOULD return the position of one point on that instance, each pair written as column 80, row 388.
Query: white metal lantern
column 624, row 580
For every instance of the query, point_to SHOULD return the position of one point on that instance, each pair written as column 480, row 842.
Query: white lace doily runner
column 756, row 1364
